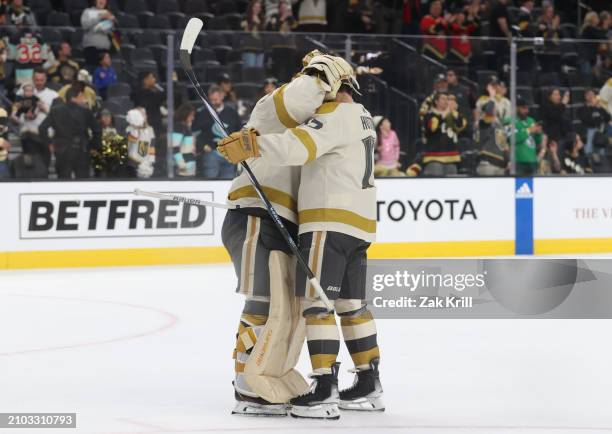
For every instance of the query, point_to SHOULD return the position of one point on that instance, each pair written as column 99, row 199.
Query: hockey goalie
column 311, row 148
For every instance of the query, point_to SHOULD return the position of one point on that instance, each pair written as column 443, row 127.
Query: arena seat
column 135, row 6
column 58, row 19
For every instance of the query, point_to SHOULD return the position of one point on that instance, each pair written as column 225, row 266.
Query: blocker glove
column 239, row 146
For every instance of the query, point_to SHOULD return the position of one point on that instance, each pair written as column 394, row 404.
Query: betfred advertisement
column 93, row 215
column 430, row 210
column 55, row 216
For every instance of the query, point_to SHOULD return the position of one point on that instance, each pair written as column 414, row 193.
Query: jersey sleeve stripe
column 327, row 107
column 276, row 196
column 308, row 143
column 281, row 110
column 336, row 215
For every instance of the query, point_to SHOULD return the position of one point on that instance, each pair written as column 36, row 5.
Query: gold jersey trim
column 308, row 143
column 281, row 110
column 327, row 107
column 277, row 196
column 442, row 158
column 336, row 215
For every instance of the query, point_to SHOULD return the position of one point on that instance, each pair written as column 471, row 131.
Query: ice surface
column 148, row 350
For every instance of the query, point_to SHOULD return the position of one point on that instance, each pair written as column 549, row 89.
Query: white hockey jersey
column 287, row 107
column 336, row 151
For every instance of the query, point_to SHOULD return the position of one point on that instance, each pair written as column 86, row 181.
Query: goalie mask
column 335, row 72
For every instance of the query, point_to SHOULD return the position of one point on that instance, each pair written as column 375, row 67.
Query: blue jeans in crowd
column 215, row 166
column 4, row 170
column 251, row 60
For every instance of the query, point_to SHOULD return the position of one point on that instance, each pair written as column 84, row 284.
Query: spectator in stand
column 441, row 156
column 141, row 150
column 104, row 75
column 5, row 69
column 493, row 155
column 98, row 23
column 605, row 48
column 76, row 133
column 439, row 85
column 590, row 50
column 605, row 99
column 213, row 163
column 5, row 145
column 279, row 16
column 64, row 68
column 525, row 56
column 253, row 24
column 461, row 27
column 605, row 22
column 411, row 17
column 463, row 95
column 254, row 21
column 549, row 26
column 575, row 161
column 107, row 122
column 435, row 25
column 26, row 111
column 20, row 14
column 225, row 83
column 495, row 93
column 312, row 16
column 595, row 120
column 359, row 17
column 89, row 93
column 183, row 144
column 499, row 28
column 27, row 51
column 151, row 96
column 388, row 16
column 387, row 149
column 555, row 119
column 30, row 164
column 457, row 122
column 44, row 94
column 270, row 85
column 530, row 142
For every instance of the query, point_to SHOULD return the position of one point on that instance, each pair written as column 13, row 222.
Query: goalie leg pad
column 269, row 370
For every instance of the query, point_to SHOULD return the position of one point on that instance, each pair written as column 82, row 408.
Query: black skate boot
column 255, row 406
column 321, row 402
column 366, row 392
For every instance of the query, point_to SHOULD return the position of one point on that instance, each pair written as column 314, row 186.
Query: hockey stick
column 189, row 38
column 183, row 199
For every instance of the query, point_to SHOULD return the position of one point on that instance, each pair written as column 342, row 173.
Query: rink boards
column 83, row 224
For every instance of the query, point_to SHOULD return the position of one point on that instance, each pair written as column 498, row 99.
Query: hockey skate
column 366, row 392
column 321, row 402
column 249, row 404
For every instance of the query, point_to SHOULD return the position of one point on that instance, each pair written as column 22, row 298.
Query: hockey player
column 337, row 223
column 249, row 233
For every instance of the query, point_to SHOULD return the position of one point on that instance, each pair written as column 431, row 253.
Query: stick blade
column 191, row 34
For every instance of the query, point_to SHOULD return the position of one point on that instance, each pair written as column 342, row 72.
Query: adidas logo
column 524, row 191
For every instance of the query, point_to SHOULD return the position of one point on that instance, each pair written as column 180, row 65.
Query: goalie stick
column 188, row 41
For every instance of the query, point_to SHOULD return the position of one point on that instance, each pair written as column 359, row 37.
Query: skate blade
column 363, row 404
column 253, row 409
column 320, row 411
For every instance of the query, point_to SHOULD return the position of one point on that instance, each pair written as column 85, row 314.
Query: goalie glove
column 239, row 146
column 334, row 71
